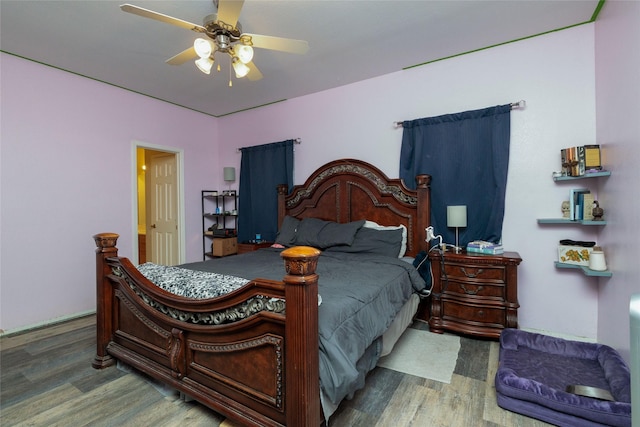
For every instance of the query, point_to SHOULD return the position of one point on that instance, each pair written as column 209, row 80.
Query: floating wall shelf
column 566, row 221
column 586, row 270
column 587, row 175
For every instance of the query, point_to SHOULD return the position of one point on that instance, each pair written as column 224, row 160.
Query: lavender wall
column 67, row 174
column 66, row 151
column 554, row 73
column 617, row 58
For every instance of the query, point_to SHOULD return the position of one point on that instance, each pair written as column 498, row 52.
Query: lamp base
column 457, row 249
column 448, row 247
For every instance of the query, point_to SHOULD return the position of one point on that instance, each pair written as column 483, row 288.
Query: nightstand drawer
column 463, row 312
column 475, row 272
column 476, row 289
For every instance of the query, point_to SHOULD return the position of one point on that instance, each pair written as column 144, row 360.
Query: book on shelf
column 574, row 202
column 572, row 161
column 587, row 206
column 564, row 161
column 581, row 160
column 575, row 169
column 579, row 206
column 593, row 161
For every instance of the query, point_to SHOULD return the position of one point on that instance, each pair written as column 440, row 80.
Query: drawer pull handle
column 471, row 275
column 469, row 292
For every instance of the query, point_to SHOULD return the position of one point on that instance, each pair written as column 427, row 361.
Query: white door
column 162, row 209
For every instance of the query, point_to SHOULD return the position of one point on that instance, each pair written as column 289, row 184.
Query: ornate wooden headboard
column 349, row 190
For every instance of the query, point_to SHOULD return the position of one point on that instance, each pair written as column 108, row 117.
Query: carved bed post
column 282, row 193
column 302, row 360
column 106, row 243
column 423, row 187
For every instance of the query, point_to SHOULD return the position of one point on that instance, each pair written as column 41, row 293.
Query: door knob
column 153, row 226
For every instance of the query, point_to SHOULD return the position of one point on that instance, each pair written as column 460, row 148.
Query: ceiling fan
column 224, row 35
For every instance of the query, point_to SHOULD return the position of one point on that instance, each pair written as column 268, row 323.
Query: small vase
column 597, row 211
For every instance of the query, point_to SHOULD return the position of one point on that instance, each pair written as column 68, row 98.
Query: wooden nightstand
column 249, row 247
column 474, row 294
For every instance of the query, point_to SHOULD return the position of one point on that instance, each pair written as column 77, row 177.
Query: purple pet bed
column 535, row 370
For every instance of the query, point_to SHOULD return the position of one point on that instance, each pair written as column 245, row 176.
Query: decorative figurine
column 597, row 211
column 565, row 209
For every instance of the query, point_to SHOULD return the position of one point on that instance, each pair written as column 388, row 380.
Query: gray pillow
column 372, row 241
column 288, row 230
column 324, row 234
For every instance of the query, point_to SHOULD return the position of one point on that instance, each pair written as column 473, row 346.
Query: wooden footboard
column 242, row 355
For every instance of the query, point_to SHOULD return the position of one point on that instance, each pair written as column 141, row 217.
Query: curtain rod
column 514, row 105
column 295, row 141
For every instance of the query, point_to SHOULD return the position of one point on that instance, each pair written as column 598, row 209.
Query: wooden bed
column 262, row 370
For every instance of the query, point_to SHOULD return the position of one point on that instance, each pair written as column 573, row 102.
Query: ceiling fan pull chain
column 230, row 82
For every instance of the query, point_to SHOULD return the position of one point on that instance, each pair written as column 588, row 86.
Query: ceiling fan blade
column 279, row 43
column 254, row 73
column 183, row 57
column 229, row 11
column 162, row 18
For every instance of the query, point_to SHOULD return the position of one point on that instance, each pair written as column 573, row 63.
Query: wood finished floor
column 47, row 380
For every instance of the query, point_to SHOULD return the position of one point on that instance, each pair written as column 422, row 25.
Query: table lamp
column 229, row 175
column 456, row 218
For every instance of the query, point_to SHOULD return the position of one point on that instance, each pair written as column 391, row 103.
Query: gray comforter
column 361, row 294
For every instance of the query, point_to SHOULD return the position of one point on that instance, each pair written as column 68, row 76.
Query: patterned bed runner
column 190, row 283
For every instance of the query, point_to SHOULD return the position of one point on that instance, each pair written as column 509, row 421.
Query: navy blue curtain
column 262, row 169
column 467, row 155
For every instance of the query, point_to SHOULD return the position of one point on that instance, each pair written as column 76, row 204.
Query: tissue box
column 577, row 255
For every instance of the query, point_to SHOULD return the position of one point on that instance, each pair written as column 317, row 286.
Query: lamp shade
column 244, row 52
column 229, row 174
column 457, row 216
column 202, row 47
column 240, row 68
column 204, row 64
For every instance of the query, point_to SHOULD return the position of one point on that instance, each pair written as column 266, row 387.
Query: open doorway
column 158, row 208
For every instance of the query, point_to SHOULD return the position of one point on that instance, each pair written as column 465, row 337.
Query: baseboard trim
column 75, row 316
column 46, row 323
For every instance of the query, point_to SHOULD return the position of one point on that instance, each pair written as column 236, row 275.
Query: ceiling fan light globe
column 244, row 53
column 204, row 64
column 202, row 47
column 240, row 68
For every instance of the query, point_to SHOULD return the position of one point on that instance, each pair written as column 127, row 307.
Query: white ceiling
column 349, row 41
